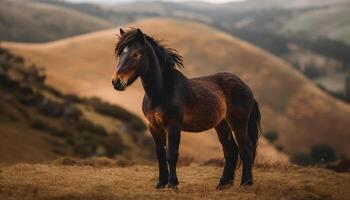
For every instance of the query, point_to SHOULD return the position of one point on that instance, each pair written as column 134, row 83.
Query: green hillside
column 330, row 21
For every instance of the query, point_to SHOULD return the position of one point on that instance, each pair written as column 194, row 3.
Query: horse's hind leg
column 245, row 148
column 230, row 153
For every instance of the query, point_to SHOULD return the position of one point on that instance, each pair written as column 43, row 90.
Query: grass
column 25, row 181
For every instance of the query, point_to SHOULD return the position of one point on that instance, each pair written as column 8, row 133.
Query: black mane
column 168, row 58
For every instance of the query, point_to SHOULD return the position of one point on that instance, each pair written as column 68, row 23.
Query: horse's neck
column 152, row 80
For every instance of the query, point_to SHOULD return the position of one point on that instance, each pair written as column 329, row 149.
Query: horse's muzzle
column 118, row 84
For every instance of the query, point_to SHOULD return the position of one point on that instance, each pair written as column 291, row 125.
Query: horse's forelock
column 171, row 56
column 124, row 40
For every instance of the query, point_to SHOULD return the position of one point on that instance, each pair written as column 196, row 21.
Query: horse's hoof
column 173, row 187
column 173, row 183
column 224, row 185
column 161, row 184
column 247, row 183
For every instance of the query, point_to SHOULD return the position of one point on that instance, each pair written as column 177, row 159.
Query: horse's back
column 221, row 95
column 229, row 84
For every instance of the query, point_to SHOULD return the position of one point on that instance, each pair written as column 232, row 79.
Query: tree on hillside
column 347, row 88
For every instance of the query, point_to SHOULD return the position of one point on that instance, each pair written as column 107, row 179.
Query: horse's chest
column 155, row 117
column 158, row 118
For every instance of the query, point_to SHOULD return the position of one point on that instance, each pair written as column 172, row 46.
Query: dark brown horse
column 173, row 103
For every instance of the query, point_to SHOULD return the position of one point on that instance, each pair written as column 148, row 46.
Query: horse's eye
column 135, row 55
column 125, row 50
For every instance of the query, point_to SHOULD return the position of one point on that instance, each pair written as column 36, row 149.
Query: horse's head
column 130, row 51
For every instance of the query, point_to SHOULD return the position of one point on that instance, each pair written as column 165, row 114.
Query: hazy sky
column 116, row 1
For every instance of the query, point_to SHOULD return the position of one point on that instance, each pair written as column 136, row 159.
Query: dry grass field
column 297, row 110
column 56, row 181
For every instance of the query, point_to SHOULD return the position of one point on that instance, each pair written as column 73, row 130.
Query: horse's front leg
column 159, row 137
column 174, row 132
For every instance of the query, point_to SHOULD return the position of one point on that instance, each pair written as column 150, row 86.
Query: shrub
column 70, row 111
column 85, row 125
column 311, row 72
column 7, row 83
column 53, row 91
column 302, row 159
column 147, row 142
column 279, row 147
column 93, row 162
column 39, row 125
column 29, row 100
column 136, row 136
column 83, row 147
column 137, row 124
column 117, row 112
column 55, row 131
column 50, row 108
column 147, row 145
column 73, row 98
column 343, row 166
column 322, row 153
column 271, row 136
column 114, row 144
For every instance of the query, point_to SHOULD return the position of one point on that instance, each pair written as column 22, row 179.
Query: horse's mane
column 168, row 58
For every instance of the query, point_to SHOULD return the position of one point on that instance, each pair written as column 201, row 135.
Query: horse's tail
column 254, row 128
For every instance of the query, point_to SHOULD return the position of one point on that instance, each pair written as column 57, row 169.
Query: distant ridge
column 30, row 21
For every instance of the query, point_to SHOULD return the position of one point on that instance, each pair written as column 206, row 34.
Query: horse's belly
column 204, row 116
column 192, row 126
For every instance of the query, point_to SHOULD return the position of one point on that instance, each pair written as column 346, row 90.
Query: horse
column 173, row 103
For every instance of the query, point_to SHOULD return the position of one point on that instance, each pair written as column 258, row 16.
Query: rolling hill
column 40, row 124
column 29, row 21
column 298, row 111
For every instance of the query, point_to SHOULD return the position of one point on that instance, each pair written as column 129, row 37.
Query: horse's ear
column 140, row 37
column 121, row 31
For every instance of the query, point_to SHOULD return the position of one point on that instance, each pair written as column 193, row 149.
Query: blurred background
column 56, row 63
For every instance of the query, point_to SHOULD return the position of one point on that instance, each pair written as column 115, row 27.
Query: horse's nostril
column 115, row 81
column 117, row 84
